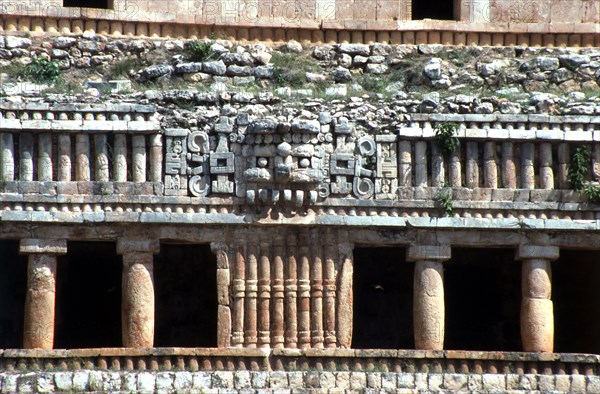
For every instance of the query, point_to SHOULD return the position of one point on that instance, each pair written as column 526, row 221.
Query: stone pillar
column 527, row 169
column 546, row 172
column 537, row 315
column 82, row 157
column 139, row 158
column 421, row 164
column 437, row 166
column 45, row 157
column 250, row 324
column 264, row 295
column 120, row 158
column 291, row 294
column 454, row 169
column 509, row 173
column 238, row 295
column 564, row 157
column 41, row 291
column 26, row 159
column 223, row 280
column 472, row 168
column 316, row 285
column 277, row 326
column 329, row 289
column 428, row 307
column 304, row 293
column 404, row 163
column 137, row 305
column 64, row 158
column 345, row 299
column 156, row 157
column 101, row 153
column 490, row 169
column 7, row 169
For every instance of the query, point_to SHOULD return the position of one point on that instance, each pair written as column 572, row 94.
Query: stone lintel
column 429, row 252
column 546, row 252
column 46, row 246
column 128, row 245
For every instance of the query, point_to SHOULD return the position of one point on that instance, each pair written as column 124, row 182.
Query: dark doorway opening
column 105, row 4
column 186, row 296
column 13, row 286
column 482, row 295
column 383, row 299
column 575, row 283
column 433, row 9
column 88, row 296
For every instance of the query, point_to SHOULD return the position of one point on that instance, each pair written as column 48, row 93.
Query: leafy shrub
column 445, row 137
column 579, row 167
column 198, row 51
column 42, row 70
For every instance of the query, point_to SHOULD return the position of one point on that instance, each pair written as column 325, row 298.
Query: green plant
column 372, row 83
column 445, row 137
column 443, row 200
column 42, row 70
column 199, row 51
column 593, row 193
column 579, row 167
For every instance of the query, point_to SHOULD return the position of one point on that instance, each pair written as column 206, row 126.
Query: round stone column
column 428, row 302
column 537, row 312
column 41, row 291
column 137, row 305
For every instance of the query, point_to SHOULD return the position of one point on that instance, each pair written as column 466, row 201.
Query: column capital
column 546, row 252
column 45, row 246
column 137, row 245
column 429, row 252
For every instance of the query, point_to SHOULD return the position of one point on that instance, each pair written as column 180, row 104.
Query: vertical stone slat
column 329, row 293
column 40, row 299
column 304, row 292
column 428, row 307
column 437, row 166
column 239, row 289
column 291, row 293
column 527, row 168
column 137, row 306
column 250, row 324
column 120, row 158
column 264, row 295
column 101, row 171
column 564, row 157
column 82, row 157
column 345, row 299
column 455, row 169
column 490, row 167
column 277, row 325
column 316, row 282
column 537, row 311
column 509, row 173
column 139, row 158
column 7, row 153
column 64, row 158
column 546, row 171
column 156, row 158
column 421, row 164
column 45, row 171
column 26, row 157
column 472, row 165
column 223, row 281
column 405, row 163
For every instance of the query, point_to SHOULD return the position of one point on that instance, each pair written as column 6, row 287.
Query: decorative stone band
column 282, row 23
column 372, row 360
